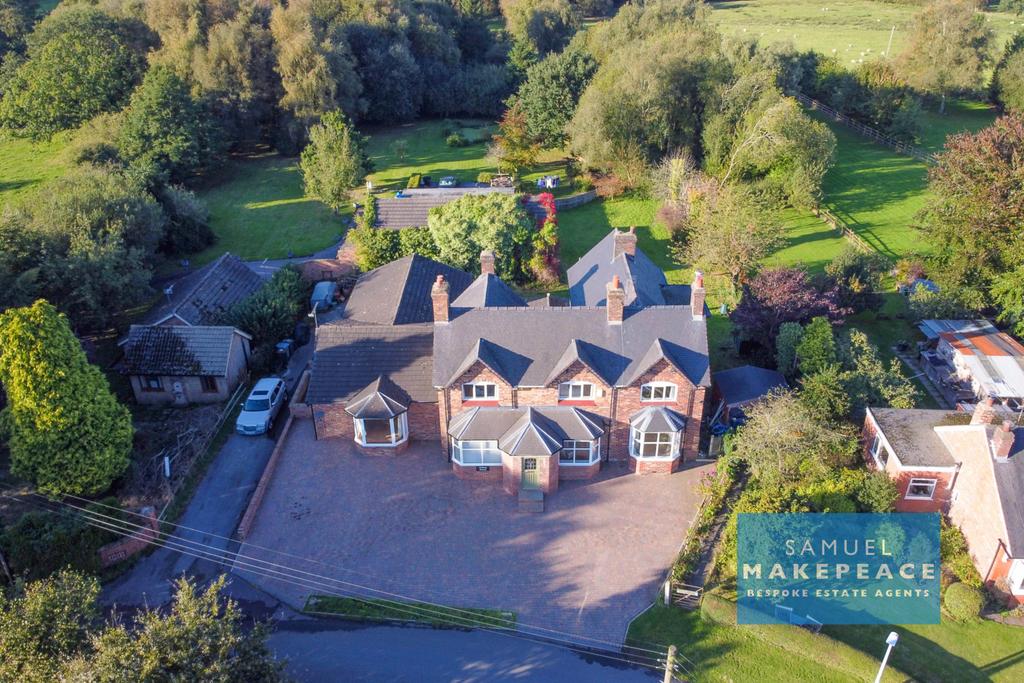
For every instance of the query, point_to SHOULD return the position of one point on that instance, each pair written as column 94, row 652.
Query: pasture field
column 26, row 164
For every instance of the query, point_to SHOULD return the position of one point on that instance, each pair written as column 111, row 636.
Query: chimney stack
column 439, row 297
column 487, row 258
column 1002, row 441
column 615, row 301
column 984, row 412
column 625, row 242
column 697, row 295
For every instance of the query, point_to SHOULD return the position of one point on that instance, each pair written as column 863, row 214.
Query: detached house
column 969, row 465
column 524, row 395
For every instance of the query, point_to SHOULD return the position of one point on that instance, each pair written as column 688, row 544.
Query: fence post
column 668, row 591
column 670, row 662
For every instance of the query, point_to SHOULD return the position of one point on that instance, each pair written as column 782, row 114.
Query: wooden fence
column 867, row 131
column 840, row 226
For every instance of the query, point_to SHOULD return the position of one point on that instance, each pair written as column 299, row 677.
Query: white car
column 448, row 181
column 261, row 407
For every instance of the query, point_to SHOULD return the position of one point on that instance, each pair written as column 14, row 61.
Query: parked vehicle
column 448, row 181
column 284, row 350
column 324, row 295
column 261, row 407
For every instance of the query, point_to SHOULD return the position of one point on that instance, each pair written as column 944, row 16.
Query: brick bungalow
column 522, row 394
column 968, row 466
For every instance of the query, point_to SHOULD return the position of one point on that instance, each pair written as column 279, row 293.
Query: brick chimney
column 697, row 295
column 487, row 262
column 625, row 242
column 615, row 297
column 984, row 412
column 1002, row 441
column 439, row 296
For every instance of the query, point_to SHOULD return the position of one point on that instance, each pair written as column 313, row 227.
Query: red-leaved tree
column 782, row 295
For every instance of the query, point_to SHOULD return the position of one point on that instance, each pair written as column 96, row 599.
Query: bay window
column 381, row 432
column 466, row 452
column 576, row 391
column 654, row 445
column 580, row 452
column 480, row 391
column 658, row 392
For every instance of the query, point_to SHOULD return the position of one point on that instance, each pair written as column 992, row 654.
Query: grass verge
column 367, row 609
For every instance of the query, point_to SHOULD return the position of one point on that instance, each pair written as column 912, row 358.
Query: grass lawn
column 810, row 242
column 422, row 613
column 851, row 30
column 26, row 164
column 979, row 651
column 259, row 210
column 960, row 116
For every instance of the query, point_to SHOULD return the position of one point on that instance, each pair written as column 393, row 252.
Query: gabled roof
column 203, row 297
column 747, row 383
column 178, row 350
column 494, row 358
column 398, row 293
column 350, row 356
column 487, row 291
column 640, row 277
column 380, row 399
column 576, row 352
column 526, row 431
column 657, row 419
column 660, row 350
column 532, row 434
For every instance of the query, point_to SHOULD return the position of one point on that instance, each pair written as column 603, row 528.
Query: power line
column 203, row 551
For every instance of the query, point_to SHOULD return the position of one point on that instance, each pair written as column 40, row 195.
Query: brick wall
column 333, row 422
column 122, row 549
column 471, row 473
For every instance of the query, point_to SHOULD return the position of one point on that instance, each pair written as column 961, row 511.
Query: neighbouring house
column 968, row 465
column 737, row 388
column 205, row 295
column 181, row 364
column 410, row 208
column 525, row 395
column 970, row 359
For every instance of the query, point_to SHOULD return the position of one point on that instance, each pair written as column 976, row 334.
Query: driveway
column 404, row 524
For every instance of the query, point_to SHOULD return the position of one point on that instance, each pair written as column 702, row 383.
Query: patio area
column 405, row 525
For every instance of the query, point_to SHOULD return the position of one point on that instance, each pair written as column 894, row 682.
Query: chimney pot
column 487, row 259
column 615, row 301
column 1002, row 440
column 697, row 296
column 439, row 299
column 625, row 243
column 984, row 412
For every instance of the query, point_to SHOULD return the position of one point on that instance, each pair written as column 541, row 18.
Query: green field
column 259, row 210
column 852, row 30
column 26, row 164
column 960, row 116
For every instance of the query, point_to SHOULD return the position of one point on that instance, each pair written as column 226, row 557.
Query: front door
column 530, row 478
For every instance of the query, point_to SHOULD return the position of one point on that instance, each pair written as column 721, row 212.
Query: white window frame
column 152, row 383
column 921, row 481
column 878, row 446
column 462, row 448
column 669, row 392
column 469, row 391
column 587, row 391
column 399, row 432
column 1016, row 576
column 635, row 436
column 594, row 448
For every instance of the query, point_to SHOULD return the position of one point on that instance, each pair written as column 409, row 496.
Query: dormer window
column 576, row 391
column 480, row 391
column 656, row 392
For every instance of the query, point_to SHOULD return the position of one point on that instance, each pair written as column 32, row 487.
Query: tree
column 188, row 221
column 730, row 233
column 67, row 432
column 817, row 348
column 1008, row 295
column 1007, row 87
column 544, row 25
column 869, row 381
column 513, row 146
column 783, row 442
column 44, row 623
column 79, row 65
column 975, row 210
column 202, row 639
column 463, row 228
column 166, row 134
column 551, row 92
column 1015, row 6
column 858, row 276
column 823, row 393
column 16, row 18
column 786, row 345
column 947, row 49
column 333, row 162
column 780, row 295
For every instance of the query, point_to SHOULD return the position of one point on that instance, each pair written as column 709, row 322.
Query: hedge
column 963, row 602
column 414, row 181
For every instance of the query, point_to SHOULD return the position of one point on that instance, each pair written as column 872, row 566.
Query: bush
column 456, row 140
column 414, row 181
column 955, row 556
column 963, row 602
column 269, row 314
column 416, row 241
column 485, row 177
column 375, row 247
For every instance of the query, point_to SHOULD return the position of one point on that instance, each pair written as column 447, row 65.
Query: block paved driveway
column 406, row 525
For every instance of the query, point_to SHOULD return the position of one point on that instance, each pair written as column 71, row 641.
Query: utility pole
column 888, row 48
column 670, row 663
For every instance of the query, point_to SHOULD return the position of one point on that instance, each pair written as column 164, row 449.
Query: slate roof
column 526, row 431
column 202, row 297
column 381, row 399
column 742, row 385
column 349, row 356
column 524, row 345
column 640, row 277
column 911, row 434
column 411, row 211
column 487, row 290
column 657, row 419
column 399, row 292
column 178, row 350
column 1009, row 477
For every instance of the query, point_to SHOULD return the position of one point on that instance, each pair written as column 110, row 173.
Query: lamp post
column 890, row 642
column 312, row 314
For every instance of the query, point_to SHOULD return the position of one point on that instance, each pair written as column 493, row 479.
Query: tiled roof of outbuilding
column 202, row 298
column 178, row 350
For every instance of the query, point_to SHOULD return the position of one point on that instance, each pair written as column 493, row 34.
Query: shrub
column 877, row 493
column 963, row 602
column 955, row 556
column 485, row 177
column 456, row 140
column 609, row 185
column 375, row 247
column 416, row 241
column 414, row 181
column 673, row 216
column 269, row 314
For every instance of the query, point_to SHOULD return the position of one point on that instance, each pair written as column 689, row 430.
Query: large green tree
column 333, row 162
column 1008, row 79
column 472, row 223
column 948, row 49
column 166, row 134
column 67, row 432
column 80, row 64
column 551, row 92
column 544, row 25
